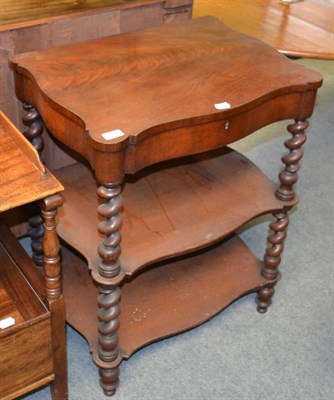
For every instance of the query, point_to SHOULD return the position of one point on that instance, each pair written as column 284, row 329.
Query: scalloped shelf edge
column 172, row 209
column 167, row 299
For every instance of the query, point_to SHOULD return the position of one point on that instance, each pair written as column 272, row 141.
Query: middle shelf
column 170, row 209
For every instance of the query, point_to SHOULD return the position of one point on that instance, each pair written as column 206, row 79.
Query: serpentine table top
column 120, row 94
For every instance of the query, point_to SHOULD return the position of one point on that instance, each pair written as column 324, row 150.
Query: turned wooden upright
column 161, row 105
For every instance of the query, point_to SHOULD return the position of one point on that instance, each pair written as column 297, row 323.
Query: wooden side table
column 32, row 316
column 153, row 117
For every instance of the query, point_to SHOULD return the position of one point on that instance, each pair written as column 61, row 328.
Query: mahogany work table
column 151, row 114
column 32, row 314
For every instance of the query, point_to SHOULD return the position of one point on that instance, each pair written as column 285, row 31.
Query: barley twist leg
column 272, row 259
column 108, row 277
column 34, row 134
column 288, row 177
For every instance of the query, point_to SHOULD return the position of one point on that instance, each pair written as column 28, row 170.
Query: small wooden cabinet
column 152, row 120
column 32, row 315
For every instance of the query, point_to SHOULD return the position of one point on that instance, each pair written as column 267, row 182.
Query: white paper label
column 5, row 323
column 112, row 134
column 222, row 106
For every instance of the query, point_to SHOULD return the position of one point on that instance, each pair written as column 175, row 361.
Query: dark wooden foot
column 264, row 298
column 109, row 380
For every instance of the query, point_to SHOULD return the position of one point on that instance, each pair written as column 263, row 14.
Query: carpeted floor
column 286, row 354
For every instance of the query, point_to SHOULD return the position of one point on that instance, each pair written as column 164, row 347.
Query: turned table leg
column 272, row 259
column 108, row 278
column 34, row 134
column 285, row 192
column 53, row 287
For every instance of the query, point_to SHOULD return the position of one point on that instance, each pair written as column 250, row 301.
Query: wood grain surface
column 168, row 210
column 137, row 99
column 27, row 12
column 25, row 347
column 164, row 300
column 23, row 178
column 142, row 91
column 300, row 29
column 30, row 25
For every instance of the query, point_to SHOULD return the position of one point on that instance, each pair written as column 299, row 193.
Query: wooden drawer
column 25, row 346
column 25, row 358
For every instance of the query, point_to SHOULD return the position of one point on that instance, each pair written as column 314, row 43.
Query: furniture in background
column 152, row 120
column 32, row 315
column 298, row 29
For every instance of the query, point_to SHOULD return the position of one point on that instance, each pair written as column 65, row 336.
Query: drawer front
column 152, row 146
column 25, row 358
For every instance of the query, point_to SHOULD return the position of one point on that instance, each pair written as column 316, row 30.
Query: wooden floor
column 300, row 29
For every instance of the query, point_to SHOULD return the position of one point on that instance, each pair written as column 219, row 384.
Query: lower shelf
column 165, row 300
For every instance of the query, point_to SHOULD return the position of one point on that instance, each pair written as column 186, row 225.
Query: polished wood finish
column 289, row 175
column 152, row 109
column 33, row 350
column 33, row 12
column 18, row 296
column 172, row 207
column 27, row 12
column 146, row 298
column 272, row 259
column 18, row 300
column 21, row 168
column 139, row 66
column 298, row 29
column 27, row 25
